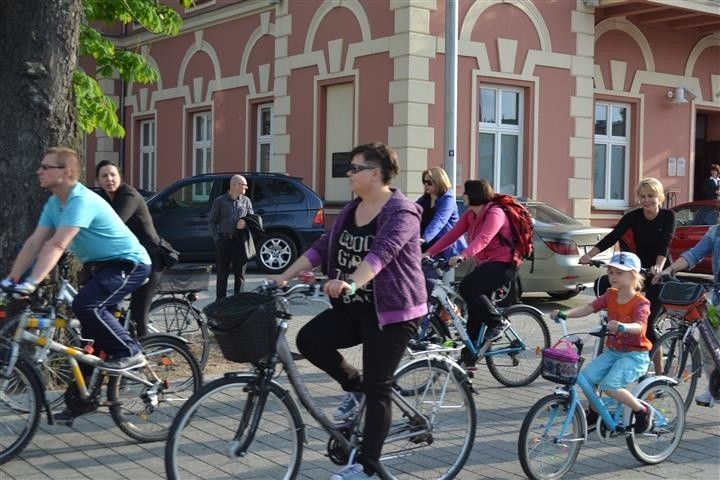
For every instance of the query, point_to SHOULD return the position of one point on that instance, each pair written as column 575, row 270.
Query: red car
column 692, row 221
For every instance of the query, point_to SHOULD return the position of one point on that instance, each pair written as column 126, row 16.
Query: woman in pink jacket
column 484, row 224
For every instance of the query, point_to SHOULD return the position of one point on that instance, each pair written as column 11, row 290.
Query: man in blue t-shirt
column 75, row 217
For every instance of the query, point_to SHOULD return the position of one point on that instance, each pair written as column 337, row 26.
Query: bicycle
column 55, row 298
column 245, row 423
column 174, row 310
column 687, row 305
column 556, row 427
column 142, row 399
column 514, row 359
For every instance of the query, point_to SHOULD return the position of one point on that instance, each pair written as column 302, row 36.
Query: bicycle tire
column 540, row 455
column 202, row 434
column 441, row 452
column 519, row 369
column 21, row 400
column 659, row 441
column 131, row 404
column 179, row 317
column 432, row 330
column 682, row 361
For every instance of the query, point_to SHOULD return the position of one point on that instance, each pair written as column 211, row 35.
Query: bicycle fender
column 522, row 307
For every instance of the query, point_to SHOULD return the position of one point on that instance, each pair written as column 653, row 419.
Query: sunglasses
column 427, row 182
column 356, row 167
column 48, row 167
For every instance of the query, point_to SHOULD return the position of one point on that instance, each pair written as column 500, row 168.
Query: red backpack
column 521, row 225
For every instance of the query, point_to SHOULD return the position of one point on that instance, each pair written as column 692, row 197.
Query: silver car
column 558, row 241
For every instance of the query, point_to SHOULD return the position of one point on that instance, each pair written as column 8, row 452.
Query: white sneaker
column 496, row 333
column 705, row 399
column 349, row 406
column 351, row 472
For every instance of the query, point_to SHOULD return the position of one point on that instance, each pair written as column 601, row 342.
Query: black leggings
column 319, row 341
column 651, row 292
column 476, row 289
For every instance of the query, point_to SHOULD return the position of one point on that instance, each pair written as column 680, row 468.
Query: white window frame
column 610, row 141
column 499, row 129
column 204, row 145
column 147, row 153
column 263, row 139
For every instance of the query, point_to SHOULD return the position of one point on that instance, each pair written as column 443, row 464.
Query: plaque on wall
column 340, row 164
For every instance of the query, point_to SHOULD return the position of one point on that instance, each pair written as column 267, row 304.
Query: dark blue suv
column 292, row 215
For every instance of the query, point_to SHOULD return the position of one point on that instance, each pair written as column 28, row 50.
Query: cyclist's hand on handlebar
column 279, row 280
column 336, row 288
column 456, row 260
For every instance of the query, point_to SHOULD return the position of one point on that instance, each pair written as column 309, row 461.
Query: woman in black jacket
column 647, row 232
column 132, row 209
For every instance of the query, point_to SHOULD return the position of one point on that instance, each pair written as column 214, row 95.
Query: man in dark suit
column 226, row 222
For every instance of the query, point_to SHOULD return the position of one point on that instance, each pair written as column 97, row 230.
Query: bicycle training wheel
column 434, row 421
column 216, row 422
column 144, row 412
column 681, row 361
column 515, row 359
column 20, row 405
column 179, row 317
column 663, row 436
column 543, row 454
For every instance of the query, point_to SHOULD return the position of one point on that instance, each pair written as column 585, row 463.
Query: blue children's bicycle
column 556, row 427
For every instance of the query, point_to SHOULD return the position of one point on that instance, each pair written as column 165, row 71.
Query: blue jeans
column 108, row 285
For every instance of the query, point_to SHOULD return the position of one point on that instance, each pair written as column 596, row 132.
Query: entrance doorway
column 707, row 149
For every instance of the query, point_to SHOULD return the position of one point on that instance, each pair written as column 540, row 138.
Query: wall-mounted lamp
column 681, row 95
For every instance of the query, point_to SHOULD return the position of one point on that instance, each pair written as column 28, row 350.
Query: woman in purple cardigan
column 372, row 256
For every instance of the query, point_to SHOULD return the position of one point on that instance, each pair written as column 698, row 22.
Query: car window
column 283, row 191
column 544, row 213
column 688, row 216
column 707, row 216
column 187, row 196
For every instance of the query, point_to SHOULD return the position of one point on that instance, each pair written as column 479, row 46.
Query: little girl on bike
column 625, row 358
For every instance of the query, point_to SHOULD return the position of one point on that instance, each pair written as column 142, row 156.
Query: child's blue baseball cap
column 625, row 261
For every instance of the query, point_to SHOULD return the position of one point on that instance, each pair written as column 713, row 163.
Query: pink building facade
column 570, row 102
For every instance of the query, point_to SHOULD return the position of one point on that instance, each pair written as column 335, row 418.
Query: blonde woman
column 651, row 228
column 440, row 212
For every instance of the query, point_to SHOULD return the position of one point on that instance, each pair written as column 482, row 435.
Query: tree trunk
column 39, row 50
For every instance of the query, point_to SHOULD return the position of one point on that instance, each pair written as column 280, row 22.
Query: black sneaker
column 591, row 417
column 495, row 333
column 641, row 422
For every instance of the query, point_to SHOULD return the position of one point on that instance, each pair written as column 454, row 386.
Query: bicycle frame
column 48, row 324
column 284, row 357
column 442, row 293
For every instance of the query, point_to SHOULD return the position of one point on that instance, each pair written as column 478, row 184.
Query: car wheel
column 507, row 294
column 563, row 295
column 276, row 252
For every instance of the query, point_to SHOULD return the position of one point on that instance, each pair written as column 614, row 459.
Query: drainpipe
column 121, row 117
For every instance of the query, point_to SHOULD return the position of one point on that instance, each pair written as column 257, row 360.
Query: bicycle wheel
column 663, row 437
column 202, row 441
column 542, row 453
column 20, row 404
column 528, row 333
column 441, row 393
column 681, row 361
column 179, row 317
column 146, row 413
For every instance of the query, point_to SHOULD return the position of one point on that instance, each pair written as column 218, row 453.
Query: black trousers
column 229, row 251
column 335, row 328
column 476, row 289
